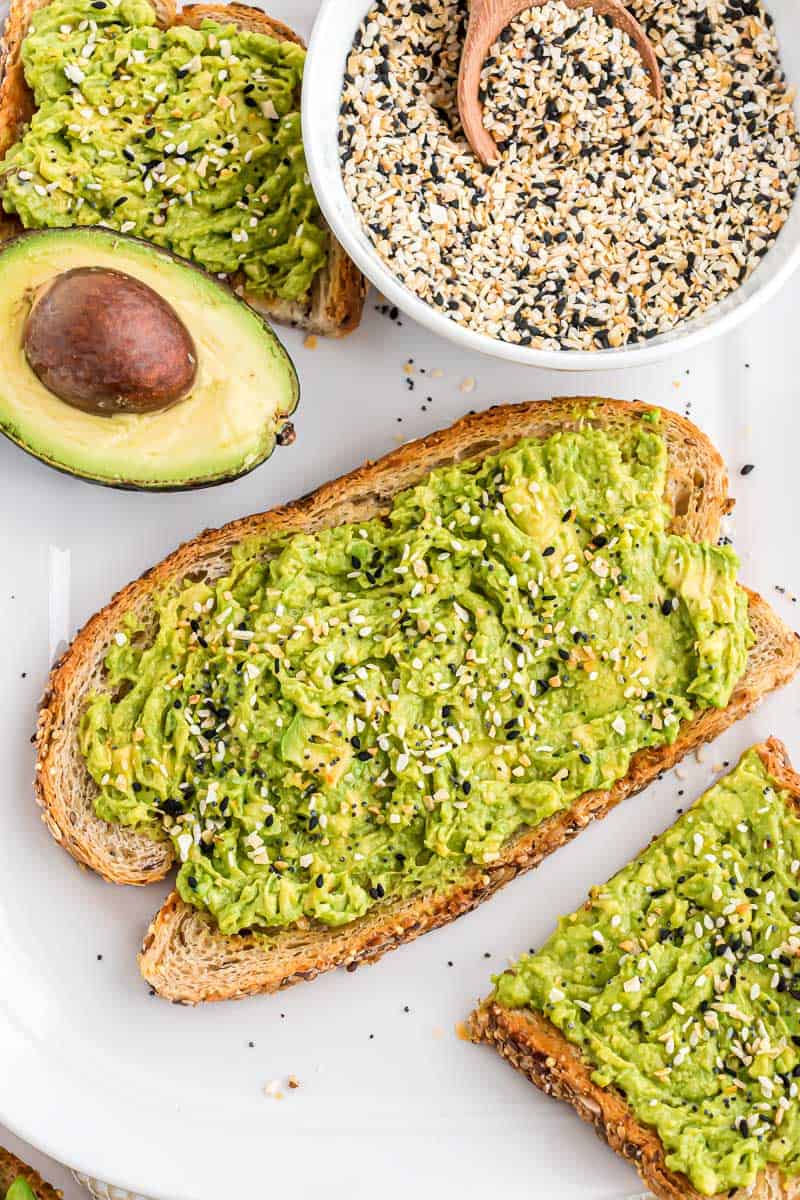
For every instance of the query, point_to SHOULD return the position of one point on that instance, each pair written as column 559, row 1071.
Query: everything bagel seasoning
column 610, row 217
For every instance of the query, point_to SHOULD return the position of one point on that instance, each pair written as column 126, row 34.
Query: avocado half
column 244, row 391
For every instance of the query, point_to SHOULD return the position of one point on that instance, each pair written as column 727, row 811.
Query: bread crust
column 12, row 1168
column 336, row 301
column 534, row 1046
column 226, row 967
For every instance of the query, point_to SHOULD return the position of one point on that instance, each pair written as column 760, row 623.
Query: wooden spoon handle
column 487, row 20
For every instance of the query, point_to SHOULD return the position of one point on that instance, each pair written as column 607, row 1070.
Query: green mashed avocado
column 361, row 712
column 187, row 137
column 20, row 1190
column 680, row 982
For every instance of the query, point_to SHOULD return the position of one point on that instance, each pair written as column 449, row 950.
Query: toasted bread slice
column 185, row 957
column 12, row 1168
column 540, row 1051
column 336, row 301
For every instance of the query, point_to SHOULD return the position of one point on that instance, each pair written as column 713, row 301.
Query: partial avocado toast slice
column 335, row 303
column 185, row 956
column 12, row 1168
column 679, row 1043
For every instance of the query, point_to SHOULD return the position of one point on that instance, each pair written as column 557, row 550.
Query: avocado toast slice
column 12, row 1169
column 185, row 956
column 334, row 304
column 663, row 1011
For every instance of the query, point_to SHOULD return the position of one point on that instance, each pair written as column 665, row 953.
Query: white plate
column 169, row 1101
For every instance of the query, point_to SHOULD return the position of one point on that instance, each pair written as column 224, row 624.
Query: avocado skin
column 206, row 279
column 121, row 485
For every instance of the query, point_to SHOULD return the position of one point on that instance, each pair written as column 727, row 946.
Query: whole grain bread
column 185, row 958
column 534, row 1046
column 336, row 301
column 12, row 1168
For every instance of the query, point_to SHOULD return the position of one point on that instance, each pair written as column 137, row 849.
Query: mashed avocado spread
column 679, row 980
column 187, row 137
column 20, row 1190
column 363, row 711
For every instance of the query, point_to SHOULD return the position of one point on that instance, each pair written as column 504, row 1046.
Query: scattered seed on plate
column 610, row 218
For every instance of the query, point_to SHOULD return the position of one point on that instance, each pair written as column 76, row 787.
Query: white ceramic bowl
column 330, row 44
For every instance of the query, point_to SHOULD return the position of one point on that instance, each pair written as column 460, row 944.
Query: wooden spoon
column 487, row 20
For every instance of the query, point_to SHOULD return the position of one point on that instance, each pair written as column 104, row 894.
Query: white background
column 170, row 1100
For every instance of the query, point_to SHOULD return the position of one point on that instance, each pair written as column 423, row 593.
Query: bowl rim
column 322, row 157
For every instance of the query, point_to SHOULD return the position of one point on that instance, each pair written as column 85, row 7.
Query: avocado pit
column 106, row 343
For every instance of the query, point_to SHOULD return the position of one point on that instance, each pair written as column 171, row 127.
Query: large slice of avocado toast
column 125, row 365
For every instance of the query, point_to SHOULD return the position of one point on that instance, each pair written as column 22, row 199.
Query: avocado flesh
column 245, row 388
column 20, row 1190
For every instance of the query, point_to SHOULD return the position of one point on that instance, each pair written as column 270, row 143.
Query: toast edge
column 536, row 1048
column 12, row 1168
